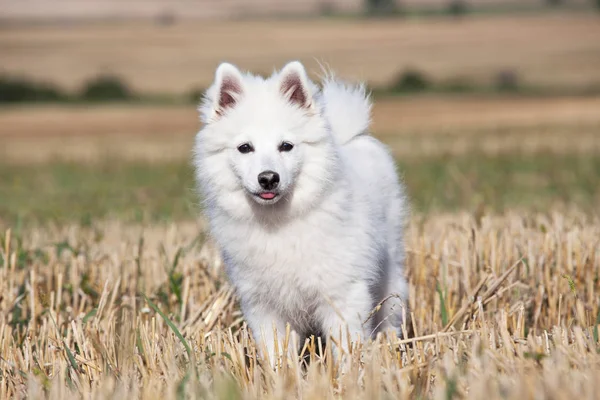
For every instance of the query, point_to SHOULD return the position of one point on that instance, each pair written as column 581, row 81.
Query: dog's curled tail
column 347, row 109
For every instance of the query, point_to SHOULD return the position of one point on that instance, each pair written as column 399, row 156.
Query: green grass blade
column 91, row 314
column 571, row 284
column 171, row 325
column 13, row 368
column 175, row 280
column 596, row 329
column 180, row 393
column 443, row 309
column 139, row 344
column 176, row 259
column 71, row 358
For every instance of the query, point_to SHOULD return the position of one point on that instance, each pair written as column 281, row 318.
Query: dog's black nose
column 268, row 180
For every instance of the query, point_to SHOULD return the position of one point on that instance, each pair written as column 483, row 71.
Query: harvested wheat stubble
column 514, row 315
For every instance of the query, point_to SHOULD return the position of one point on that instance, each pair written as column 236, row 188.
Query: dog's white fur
column 329, row 247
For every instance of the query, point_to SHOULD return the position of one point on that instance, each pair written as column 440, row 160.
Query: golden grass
column 550, row 49
column 414, row 126
column 519, row 293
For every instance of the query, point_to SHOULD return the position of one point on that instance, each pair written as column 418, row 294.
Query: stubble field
column 502, row 307
column 110, row 287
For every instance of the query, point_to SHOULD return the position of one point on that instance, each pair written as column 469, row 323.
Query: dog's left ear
column 294, row 85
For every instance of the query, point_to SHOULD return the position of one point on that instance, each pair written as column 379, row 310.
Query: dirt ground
column 391, row 116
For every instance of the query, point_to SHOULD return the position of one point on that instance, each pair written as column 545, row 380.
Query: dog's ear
column 294, row 85
column 228, row 82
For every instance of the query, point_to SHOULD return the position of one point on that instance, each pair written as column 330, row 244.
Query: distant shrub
column 507, row 80
column 165, row 18
column 326, row 9
column 458, row 85
column 381, row 7
column 18, row 90
column 105, row 88
column 410, row 81
column 457, row 8
column 195, row 95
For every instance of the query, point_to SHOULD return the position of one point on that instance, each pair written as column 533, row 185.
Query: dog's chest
column 293, row 252
column 293, row 264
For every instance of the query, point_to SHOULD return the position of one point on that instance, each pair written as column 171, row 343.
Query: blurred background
column 488, row 105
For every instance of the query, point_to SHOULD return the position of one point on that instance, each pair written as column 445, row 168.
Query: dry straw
column 501, row 307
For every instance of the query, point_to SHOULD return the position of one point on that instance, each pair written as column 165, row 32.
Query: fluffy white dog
column 305, row 206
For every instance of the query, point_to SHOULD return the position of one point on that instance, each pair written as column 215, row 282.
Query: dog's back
column 378, row 193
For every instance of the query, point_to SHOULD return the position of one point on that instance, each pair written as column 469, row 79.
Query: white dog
column 304, row 205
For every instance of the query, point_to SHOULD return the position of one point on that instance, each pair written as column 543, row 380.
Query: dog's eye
column 245, row 148
column 286, row 146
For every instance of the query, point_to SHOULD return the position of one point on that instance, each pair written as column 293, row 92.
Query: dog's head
column 265, row 146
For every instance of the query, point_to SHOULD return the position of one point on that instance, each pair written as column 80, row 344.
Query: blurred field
column 80, row 164
column 169, row 10
column 98, row 210
column 412, row 126
column 503, row 307
column 555, row 50
column 60, row 193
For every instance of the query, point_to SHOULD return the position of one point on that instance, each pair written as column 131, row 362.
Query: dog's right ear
column 229, row 89
column 294, row 85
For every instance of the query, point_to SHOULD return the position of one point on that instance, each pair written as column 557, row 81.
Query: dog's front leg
column 268, row 330
column 343, row 318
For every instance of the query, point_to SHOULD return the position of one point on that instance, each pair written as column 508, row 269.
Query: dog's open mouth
column 267, row 195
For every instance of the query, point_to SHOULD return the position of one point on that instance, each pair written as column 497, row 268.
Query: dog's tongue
column 267, row 195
